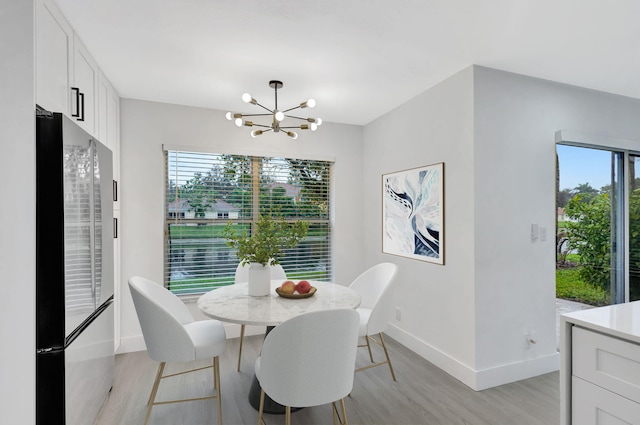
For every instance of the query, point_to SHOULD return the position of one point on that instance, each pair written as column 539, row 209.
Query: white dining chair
column 308, row 360
column 375, row 287
column 242, row 275
column 171, row 335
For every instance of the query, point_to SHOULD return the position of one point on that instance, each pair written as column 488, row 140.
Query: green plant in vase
column 270, row 238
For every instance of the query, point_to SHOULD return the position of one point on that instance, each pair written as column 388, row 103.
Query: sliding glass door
column 598, row 225
column 634, row 227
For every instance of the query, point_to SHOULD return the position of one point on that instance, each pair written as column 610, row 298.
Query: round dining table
column 233, row 304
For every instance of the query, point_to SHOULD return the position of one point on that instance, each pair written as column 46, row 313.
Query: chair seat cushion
column 364, row 320
column 208, row 336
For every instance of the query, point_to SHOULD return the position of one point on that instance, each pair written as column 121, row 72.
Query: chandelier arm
column 298, row 118
column 263, row 107
column 262, row 125
column 291, row 109
column 255, row 115
column 294, row 126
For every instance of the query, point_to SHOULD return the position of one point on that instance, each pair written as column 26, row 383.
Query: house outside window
column 206, row 191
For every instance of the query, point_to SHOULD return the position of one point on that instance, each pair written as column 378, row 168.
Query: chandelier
column 277, row 115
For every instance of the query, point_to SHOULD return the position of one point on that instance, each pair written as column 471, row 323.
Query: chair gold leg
column 154, row 391
column 159, row 376
column 260, row 420
column 344, row 412
column 333, row 411
column 287, row 419
column 240, row 350
column 336, row 416
column 386, row 353
column 216, row 385
column 366, row 338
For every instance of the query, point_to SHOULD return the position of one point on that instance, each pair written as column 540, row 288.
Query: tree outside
column 587, row 235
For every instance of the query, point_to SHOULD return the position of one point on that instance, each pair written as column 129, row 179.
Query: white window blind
column 205, row 191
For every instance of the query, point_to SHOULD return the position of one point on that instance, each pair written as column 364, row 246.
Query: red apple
column 288, row 287
column 303, row 287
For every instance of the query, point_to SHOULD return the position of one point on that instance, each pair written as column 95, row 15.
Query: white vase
column 259, row 280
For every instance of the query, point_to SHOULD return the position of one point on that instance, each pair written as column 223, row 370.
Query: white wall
column 437, row 302
column 495, row 132
column 516, row 118
column 146, row 126
column 17, row 234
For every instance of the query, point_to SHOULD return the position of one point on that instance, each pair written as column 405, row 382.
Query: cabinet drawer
column 592, row 405
column 609, row 362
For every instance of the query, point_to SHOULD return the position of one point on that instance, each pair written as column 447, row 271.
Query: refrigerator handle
column 115, row 228
column 115, row 191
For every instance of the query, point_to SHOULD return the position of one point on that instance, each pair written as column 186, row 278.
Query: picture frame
column 413, row 213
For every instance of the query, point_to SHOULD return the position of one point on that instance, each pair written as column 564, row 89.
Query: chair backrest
column 162, row 317
column 242, row 273
column 375, row 287
column 309, row 359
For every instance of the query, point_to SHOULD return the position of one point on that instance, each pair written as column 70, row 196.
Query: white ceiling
column 358, row 58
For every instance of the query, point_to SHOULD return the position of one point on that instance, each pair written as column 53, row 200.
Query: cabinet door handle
column 81, row 118
column 115, row 191
column 115, row 228
column 79, row 115
column 77, row 91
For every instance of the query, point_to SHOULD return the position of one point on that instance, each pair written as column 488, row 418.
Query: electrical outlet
column 530, row 338
column 398, row 314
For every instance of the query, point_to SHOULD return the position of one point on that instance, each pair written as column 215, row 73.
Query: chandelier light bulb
column 311, row 103
column 229, row 116
column 279, row 116
column 256, row 133
column 238, row 122
column 292, row 134
column 246, row 98
column 319, row 121
column 313, row 126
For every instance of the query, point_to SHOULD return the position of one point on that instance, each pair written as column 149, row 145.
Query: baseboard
column 131, row 344
column 476, row 379
column 453, row 367
column 505, row 374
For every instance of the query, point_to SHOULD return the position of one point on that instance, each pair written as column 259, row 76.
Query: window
column 205, row 191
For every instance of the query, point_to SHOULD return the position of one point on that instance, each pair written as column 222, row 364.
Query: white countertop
column 621, row 320
column 233, row 304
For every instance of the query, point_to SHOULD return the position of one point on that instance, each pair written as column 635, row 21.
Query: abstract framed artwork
column 413, row 213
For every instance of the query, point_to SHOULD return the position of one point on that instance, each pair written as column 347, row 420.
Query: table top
column 233, row 304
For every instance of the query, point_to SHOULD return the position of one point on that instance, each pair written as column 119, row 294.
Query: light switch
column 543, row 233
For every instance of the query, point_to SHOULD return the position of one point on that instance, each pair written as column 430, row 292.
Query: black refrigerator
column 74, row 272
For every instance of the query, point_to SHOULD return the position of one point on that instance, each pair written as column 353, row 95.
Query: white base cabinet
column 593, row 405
column 600, row 366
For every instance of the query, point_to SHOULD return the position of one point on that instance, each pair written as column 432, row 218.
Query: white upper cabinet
column 108, row 121
column 84, row 87
column 54, row 52
column 68, row 79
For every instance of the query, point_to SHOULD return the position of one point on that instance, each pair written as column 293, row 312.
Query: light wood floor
column 423, row 394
